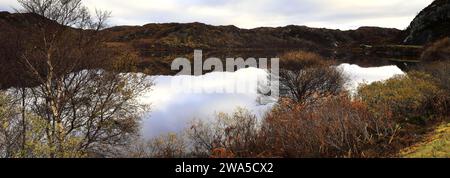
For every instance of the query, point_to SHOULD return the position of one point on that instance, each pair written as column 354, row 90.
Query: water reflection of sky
column 172, row 110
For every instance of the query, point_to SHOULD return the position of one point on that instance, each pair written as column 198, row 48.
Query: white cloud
column 8, row 5
column 343, row 14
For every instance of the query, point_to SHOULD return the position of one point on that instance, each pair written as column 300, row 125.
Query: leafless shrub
column 166, row 146
column 231, row 135
column 436, row 59
column 438, row 51
column 339, row 127
column 306, row 77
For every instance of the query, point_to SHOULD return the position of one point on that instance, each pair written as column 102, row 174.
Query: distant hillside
column 15, row 37
column 158, row 41
column 431, row 24
column 202, row 36
column 157, row 45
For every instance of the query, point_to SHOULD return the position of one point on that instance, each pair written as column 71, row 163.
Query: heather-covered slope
column 156, row 45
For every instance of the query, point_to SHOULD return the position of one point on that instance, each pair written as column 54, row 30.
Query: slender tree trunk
column 24, row 123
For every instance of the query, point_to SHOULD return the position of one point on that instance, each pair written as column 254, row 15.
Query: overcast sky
column 335, row 14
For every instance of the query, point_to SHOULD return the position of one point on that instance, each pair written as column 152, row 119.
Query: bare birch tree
column 83, row 105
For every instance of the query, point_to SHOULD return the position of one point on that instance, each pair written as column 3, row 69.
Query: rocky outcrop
column 431, row 24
